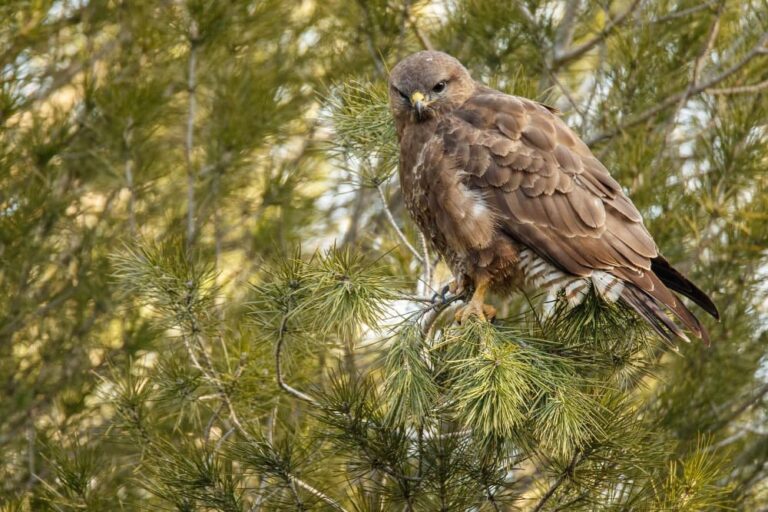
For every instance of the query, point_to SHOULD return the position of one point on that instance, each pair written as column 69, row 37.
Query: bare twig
column 527, row 15
column 210, row 373
column 556, row 485
column 295, row 492
column 358, row 206
column 270, row 439
column 217, row 229
column 683, row 13
column 420, row 35
column 430, row 313
column 370, row 39
column 213, row 418
column 565, row 30
column 189, row 141
column 317, row 493
column 128, row 171
column 758, row 49
column 742, row 89
column 425, row 260
column 698, row 65
column 564, row 57
column 404, row 20
column 751, row 401
column 31, row 450
column 278, row 367
column 596, row 84
column 566, row 93
column 391, row 219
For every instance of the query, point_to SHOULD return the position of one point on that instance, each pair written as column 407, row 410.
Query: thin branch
column 391, row 219
column 295, row 492
column 431, row 313
column 491, row 499
column 556, row 485
column 404, row 20
column 278, row 367
column 370, row 39
column 746, row 405
column 565, row 30
column 425, row 260
column 56, row 79
column 217, row 229
column 355, row 215
column 561, row 58
column 189, row 141
column 294, row 481
column 420, row 35
column 31, row 450
column 317, row 493
column 270, row 439
column 698, row 65
column 593, row 89
column 683, row 13
column 742, row 89
column 758, row 49
column 523, row 10
column 128, row 172
column 566, row 93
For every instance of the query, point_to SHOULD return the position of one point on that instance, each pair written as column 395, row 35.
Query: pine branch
column 561, row 58
column 757, row 50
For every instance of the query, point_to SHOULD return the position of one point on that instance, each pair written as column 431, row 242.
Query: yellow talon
column 477, row 306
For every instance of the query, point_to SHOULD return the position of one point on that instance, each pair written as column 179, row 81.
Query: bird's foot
column 455, row 288
column 484, row 312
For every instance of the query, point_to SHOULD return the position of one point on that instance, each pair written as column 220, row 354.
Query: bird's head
column 427, row 84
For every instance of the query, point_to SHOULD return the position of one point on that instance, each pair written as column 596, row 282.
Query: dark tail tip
column 676, row 281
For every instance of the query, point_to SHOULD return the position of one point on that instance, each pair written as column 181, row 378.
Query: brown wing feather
column 550, row 193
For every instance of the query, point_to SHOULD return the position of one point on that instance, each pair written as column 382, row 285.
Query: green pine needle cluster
column 211, row 302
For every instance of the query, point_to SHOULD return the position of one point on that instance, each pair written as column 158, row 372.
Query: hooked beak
column 419, row 103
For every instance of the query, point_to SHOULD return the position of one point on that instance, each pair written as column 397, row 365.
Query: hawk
column 511, row 197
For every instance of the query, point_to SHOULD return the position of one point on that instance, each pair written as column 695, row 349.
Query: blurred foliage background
column 196, row 194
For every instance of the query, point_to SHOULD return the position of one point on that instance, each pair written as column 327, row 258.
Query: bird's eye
column 439, row 86
column 402, row 94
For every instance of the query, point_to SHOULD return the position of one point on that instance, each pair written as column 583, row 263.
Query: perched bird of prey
column 511, row 197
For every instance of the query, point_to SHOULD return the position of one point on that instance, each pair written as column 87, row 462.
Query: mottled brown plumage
column 510, row 196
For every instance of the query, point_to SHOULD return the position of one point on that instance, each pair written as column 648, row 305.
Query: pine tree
column 214, row 300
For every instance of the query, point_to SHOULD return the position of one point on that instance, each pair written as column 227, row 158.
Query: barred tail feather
column 645, row 306
column 648, row 304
